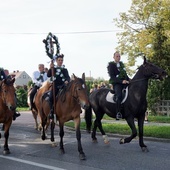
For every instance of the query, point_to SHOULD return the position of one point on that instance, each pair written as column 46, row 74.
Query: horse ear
column 144, row 60
column 13, row 80
column 74, row 77
column 83, row 76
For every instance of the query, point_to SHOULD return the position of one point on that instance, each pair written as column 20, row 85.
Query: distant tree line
column 146, row 31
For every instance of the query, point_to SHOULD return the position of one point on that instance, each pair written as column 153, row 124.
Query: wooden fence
column 162, row 107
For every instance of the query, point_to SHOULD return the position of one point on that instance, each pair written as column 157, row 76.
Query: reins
column 134, row 81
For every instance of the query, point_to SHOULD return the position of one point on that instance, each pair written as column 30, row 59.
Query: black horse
column 134, row 106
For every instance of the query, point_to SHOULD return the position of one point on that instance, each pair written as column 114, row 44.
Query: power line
column 78, row 32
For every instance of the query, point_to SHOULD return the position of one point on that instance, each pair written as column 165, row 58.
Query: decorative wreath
column 49, row 41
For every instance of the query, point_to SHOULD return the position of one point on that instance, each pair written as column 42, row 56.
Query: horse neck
column 68, row 96
column 140, row 82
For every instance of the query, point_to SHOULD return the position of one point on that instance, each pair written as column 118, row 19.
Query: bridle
column 76, row 97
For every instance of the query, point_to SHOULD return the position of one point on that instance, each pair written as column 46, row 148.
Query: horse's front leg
column 78, row 136
column 61, row 133
column 140, row 127
column 34, row 113
column 6, row 136
column 132, row 126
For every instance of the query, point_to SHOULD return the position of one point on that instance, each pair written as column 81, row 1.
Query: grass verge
column 124, row 129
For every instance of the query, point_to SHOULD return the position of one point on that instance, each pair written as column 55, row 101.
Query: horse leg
column 6, row 136
column 93, row 135
column 141, row 143
column 52, row 130
column 131, row 124
column 61, row 125
column 2, row 127
column 34, row 113
column 99, row 125
column 43, row 121
column 78, row 136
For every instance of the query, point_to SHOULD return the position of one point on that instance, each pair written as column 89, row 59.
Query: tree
column 146, row 31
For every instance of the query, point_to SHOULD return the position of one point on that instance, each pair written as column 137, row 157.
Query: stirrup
column 118, row 116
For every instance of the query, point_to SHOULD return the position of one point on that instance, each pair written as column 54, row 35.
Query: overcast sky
column 25, row 23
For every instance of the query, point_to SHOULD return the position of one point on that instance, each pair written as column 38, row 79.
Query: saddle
column 110, row 97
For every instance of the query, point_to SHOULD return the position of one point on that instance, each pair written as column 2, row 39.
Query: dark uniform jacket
column 61, row 75
column 117, row 74
column 2, row 74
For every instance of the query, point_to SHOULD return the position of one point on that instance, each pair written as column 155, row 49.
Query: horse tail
column 88, row 119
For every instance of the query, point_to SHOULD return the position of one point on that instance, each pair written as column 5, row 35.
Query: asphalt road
column 28, row 151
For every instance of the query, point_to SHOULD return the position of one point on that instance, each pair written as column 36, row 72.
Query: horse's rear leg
column 78, row 136
column 97, row 123
column 131, row 124
column 44, row 121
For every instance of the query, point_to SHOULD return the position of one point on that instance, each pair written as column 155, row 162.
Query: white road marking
column 31, row 163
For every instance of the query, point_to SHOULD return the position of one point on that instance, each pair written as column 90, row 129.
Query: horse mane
column 67, row 88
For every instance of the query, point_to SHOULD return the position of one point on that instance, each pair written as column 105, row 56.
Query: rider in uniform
column 38, row 78
column 119, row 79
column 61, row 78
column 2, row 77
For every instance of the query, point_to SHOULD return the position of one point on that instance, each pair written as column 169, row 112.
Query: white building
column 21, row 78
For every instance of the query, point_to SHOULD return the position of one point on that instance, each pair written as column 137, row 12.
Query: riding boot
column 118, row 113
column 15, row 115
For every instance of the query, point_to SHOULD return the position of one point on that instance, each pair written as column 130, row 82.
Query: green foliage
column 146, row 31
column 21, row 93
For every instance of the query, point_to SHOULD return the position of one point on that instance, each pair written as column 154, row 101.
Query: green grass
column 158, row 119
column 22, row 109
column 124, row 129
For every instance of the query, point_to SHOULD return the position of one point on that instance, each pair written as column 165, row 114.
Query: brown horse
column 37, row 102
column 67, row 107
column 7, row 108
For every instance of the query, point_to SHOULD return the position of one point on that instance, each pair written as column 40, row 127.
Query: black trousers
column 32, row 94
column 118, row 93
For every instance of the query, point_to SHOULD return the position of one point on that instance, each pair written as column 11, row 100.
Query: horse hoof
column 122, row 141
column 54, row 144
column 82, row 156
column 94, row 141
column 6, row 152
column 106, row 142
column 52, row 139
column 62, row 151
column 43, row 137
column 144, row 149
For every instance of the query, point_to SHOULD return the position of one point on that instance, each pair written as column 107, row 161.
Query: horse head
column 152, row 71
column 80, row 91
column 7, row 91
